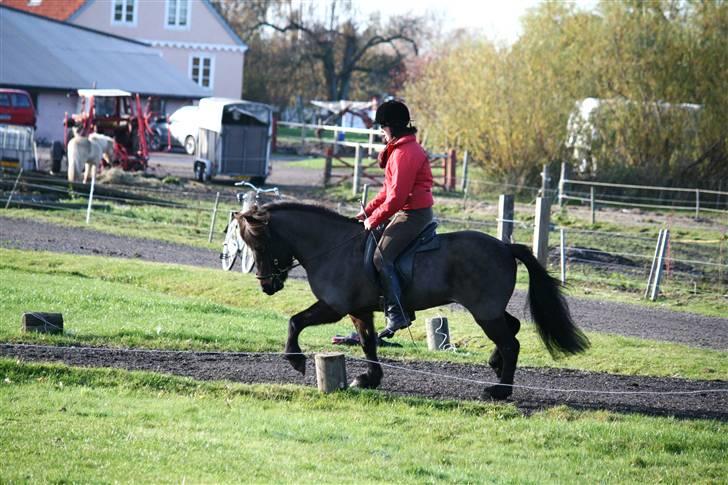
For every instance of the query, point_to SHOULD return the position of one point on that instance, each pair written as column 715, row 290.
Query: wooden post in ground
column 464, row 181
column 357, row 170
column 591, row 205
column 544, row 181
column 438, row 333
column 562, row 182
column 330, row 371
column 450, row 170
column 562, row 254
column 697, row 204
column 329, row 153
column 214, row 216
column 658, row 267
column 42, row 322
column 654, row 262
column 541, row 230
column 505, row 217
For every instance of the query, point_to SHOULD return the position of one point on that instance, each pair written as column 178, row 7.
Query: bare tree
column 337, row 43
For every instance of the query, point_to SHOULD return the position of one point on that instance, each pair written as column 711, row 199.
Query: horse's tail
column 549, row 309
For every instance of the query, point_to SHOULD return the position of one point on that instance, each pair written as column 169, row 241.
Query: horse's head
column 273, row 257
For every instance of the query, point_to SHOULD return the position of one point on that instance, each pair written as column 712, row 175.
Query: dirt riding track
column 540, row 388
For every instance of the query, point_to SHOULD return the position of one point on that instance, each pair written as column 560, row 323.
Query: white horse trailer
column 234, row 140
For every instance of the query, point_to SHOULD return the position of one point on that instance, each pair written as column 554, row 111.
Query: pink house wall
column 204, row 31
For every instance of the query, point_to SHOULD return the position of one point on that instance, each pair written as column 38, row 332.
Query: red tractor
column 117, row 114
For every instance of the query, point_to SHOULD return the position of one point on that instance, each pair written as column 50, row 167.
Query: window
column 201, row 70
column 178, row 14
column 123, row 12
column 21, row 101
column 4, row 100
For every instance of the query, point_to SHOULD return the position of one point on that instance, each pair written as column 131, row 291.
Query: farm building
column 52, row 59
column 191, row 35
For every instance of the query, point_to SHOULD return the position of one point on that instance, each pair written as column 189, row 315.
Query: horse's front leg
column 364, row 323
column 316, row 314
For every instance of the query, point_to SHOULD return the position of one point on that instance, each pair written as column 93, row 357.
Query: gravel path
column 535, row 388
column 623, row 319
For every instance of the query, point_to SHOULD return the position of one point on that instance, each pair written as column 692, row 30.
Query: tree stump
column 330, row 371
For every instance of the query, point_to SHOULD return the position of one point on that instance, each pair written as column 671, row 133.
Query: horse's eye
column 275, row 261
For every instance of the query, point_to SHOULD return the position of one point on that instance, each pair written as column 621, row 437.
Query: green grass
column 117, row 302
column 86, row 425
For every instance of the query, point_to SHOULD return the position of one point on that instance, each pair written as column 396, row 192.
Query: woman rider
column 404, row 204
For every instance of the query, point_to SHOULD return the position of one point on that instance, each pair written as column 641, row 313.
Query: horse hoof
column 298, row 362
column 498, row 392
column 362, row 382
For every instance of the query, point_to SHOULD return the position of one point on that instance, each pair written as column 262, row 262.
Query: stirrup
column 391, row 327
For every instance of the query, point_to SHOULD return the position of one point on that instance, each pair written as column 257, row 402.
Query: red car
column 16, row 107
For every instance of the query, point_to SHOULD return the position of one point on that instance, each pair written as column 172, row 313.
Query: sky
column 497, row 19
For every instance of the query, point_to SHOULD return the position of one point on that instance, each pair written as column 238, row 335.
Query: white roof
column 211, row 111
column 86, row 93
column 342, row 105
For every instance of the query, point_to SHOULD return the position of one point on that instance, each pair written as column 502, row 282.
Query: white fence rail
column 696, row 202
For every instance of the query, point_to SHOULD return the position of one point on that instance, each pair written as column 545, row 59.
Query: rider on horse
column 404, row 203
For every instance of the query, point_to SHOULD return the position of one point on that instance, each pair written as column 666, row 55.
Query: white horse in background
column 86, row 152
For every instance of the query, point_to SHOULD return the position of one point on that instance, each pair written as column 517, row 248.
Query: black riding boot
column 396, row 319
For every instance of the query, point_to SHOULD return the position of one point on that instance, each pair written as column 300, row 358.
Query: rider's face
column 387, row 131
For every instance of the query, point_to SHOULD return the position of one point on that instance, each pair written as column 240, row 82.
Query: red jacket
column 407, row 180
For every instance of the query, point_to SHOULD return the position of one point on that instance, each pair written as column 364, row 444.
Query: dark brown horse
column 470, row 268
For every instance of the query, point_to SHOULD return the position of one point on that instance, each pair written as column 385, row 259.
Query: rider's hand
column 361, row 215
column 367, row 225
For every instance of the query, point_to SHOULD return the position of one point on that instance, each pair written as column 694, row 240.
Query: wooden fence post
column 505, row 217
column 562, row 254
column 330, row 371
column 697, row 204
column 544, row 181
column 327, row 166
column 658, row 268
column 464, row 182
column 357, row 169
column 438, row 333
column 562, row 182
column 214, row 216
column 450, row 170
column 591, row 205
column 541, row 230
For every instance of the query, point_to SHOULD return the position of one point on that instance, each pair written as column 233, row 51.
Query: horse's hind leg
column 496, row 360
column 364, row 323
column 500, row 332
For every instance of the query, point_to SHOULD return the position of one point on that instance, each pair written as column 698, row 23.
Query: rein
column 278, row 272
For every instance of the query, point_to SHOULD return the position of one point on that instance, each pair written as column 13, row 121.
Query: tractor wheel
column 190, row 145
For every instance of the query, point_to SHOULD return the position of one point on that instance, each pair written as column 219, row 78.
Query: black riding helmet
column 393, row 114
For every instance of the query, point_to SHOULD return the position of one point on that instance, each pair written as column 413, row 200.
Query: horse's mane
column 311, row 208
column 255, row 230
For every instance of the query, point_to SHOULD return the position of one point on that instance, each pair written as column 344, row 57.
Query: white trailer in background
column 234, row 139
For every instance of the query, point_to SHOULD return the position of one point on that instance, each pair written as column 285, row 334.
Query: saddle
column 427, row 240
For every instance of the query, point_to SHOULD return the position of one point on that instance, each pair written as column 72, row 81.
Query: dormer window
column 123, row 12
column 177, row 14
